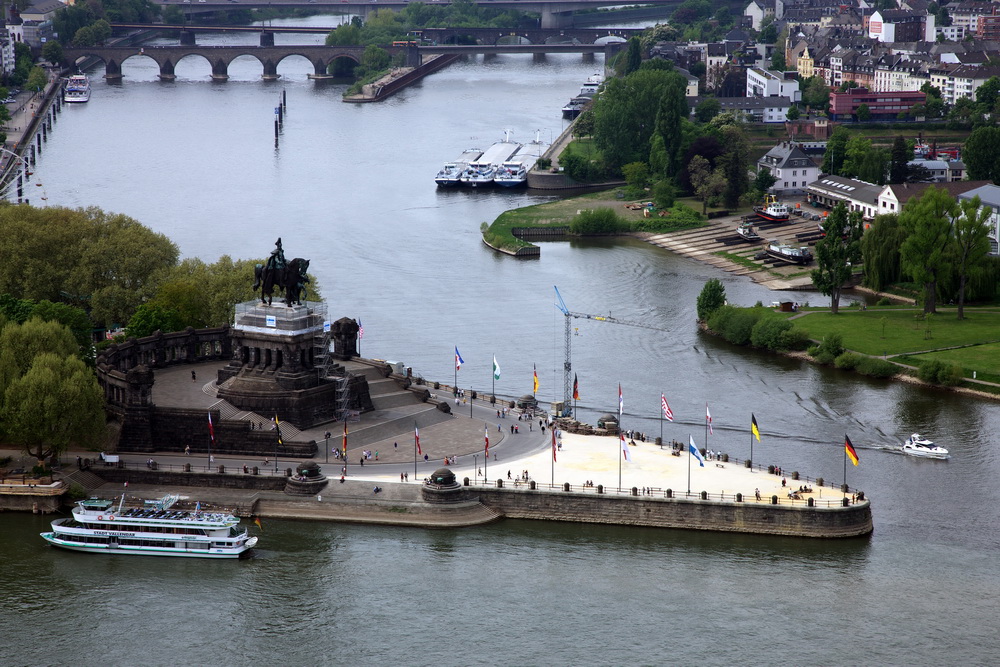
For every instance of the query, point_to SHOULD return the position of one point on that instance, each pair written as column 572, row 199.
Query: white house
column 792, row 168
column 768, row 83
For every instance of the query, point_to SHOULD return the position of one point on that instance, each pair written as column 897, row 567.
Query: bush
column 543, row 163
column 875, row 367
column 828, row 351
column 796, row 338
column 598, row 221
column 884, row 301
column 847, row 361
column 735, row 324
column 769, row 333
column 937, row 372
column 677, row 217
column 664, row 193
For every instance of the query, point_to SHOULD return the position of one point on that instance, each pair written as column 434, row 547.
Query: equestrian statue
column 289, row 277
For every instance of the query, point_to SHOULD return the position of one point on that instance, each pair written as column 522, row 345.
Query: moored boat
column 514, row 171
column 153, row 529
column 788, row 253
column 77, row 89
column 451, row 172
column 916, row 445
column 773, row 210
column 483, row 170
column 746, row 231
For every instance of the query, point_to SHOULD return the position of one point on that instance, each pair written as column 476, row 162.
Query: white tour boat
column 922, row 447
column 151, row 530
column 483, row 170
column 77, row 89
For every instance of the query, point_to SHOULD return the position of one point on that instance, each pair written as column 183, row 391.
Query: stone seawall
column 230, row 480
column 693, row 514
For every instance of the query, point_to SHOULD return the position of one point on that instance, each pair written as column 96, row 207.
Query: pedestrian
column 362, row 462
column 757, row 493
column 400, row 477
column 187, row 450
column 529, row 426
column 498, row 427
column 512, row 429
column 517, row 429
column 265, row 461
column 508, row 474
column 406, row 477
column 211, row 458
column 194, row 378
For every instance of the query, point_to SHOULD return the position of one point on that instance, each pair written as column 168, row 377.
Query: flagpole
column 690, row 440
column 706, row 431
column 845, row 471
column 751, row 442
column 661, row 421
column 486, row 458
column 455, row 385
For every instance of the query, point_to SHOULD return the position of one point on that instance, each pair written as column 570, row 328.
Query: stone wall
column 205, row 479
column 20, row 502
column 799, row 521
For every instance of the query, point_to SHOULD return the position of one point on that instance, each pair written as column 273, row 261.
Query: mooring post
column 284, row 98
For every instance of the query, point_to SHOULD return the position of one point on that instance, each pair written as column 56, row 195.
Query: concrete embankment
column 399, row 79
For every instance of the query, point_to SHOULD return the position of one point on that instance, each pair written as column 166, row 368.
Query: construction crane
column 568, row 335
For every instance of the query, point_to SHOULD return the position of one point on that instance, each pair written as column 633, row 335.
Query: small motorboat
column 747, row 232
column 916, row 445
column 788, row 253
column 773, row 210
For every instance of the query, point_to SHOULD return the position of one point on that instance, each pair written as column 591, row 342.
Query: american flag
column 361, row 330
column 667, row 412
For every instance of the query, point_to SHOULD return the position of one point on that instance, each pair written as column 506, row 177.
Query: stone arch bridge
column 219, row 57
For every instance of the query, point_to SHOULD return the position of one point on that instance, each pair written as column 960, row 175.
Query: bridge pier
column 187, row 38
column 167, row 71
column 112, row 70
column 220, row 72
column 267, row 39
column 588, row 57
column 554, row 20
column 270, row 69
column 321, row 70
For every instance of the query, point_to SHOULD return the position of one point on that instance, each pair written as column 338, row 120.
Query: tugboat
column 773, row 210
column 747, row 232
column 787, row 253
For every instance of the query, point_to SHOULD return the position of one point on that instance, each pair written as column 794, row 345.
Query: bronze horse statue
column 291, row 278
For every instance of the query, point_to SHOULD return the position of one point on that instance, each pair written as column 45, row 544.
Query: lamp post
column 475, row 462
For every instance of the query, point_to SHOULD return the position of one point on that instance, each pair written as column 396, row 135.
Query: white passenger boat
column 77, row 89
column 483, row 170
column 153, row 529
column 451, row 172
column 924, row 448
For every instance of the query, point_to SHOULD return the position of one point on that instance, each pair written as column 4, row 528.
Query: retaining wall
column 852, row 521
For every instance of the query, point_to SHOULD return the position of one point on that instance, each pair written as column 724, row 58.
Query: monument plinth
column 282, row 365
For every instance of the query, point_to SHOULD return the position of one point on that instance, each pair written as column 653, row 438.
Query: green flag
column 496, row 368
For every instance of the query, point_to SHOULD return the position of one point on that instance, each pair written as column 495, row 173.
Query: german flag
column 753, row 427
column 849, row 448
column 576, row 388
column 256, row 520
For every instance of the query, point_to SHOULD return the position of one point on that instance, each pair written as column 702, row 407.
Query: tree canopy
column 837, row 252
column 924, row 254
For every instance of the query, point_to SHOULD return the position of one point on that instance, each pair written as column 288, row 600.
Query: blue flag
column 694, row 451
column 458, row 360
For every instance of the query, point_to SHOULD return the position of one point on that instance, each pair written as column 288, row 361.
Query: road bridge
column 554, row 13
column 321, row 57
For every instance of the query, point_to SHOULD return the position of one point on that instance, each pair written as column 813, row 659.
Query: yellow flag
column 753, row 427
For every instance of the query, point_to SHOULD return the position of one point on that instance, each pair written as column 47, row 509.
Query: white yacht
column 514, row 171
column 916, row 445
column 153, row 529
column 77, row 89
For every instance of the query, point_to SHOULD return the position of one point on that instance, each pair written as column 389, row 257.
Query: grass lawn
column 984, row 359
column 905, row 331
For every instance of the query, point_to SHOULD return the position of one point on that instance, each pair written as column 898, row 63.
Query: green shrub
column 543, row 163
column 597, row 221
column 796, row 338
column 76, row 492
column 937, row 372
column 875, row 367
column 734, row 324
column 884, row 301
column 929, row 370
column 828, row 350
column 847, row 361
column 664, row 193
column 769, row 333
column 677, row 217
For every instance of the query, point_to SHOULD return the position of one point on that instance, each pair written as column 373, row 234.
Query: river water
column 350, row 187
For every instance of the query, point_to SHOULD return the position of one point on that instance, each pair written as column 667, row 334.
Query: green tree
column 880, row 252
column 150, row 318
column 707, row 109
column 84, row 37
column 57, row 403
column 988, row 94
column 778, row 63
column 636, row 175
column 21, row 343
column 764, row 180
column 708, row 184
column 53, row 51
column 836, row 151
column 102, row 31
column 735, row 164
column 768, row 31
column 815, row 93
column 670, row 120
column 899, row 159
column 924, row 254
column 837, row 253
column 625, row 116
column 633, row 59
column 711, row 298
column 584, row 125
column 981, row 154
column 864, row 113
column 73, row 318
column 37, row 78
column 793, row 113
column 972, row 243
